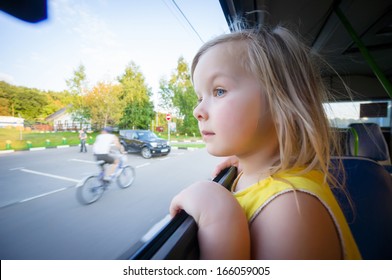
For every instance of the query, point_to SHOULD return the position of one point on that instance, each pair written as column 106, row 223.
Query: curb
column 68, row 146
column 186, row 141
column 37, row 149
column 185, row 148
column 7, row 151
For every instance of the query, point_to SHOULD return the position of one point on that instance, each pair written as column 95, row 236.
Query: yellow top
column 255, row 197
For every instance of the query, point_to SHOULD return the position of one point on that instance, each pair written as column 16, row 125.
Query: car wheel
column 146, row 153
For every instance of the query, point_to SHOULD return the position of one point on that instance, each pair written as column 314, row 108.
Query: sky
column 105, row 36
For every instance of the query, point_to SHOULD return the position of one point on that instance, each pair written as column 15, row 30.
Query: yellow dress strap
column 255, row 197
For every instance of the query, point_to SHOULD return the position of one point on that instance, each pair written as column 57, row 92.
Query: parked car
column 143, row 141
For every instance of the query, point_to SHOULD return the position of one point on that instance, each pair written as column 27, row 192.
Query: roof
column 56, row 114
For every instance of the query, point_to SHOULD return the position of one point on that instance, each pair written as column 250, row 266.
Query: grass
column 178, row 137
column 188, row 145
column 183, row 141
column 16, row 139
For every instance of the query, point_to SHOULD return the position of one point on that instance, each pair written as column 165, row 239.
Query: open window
column 178, row 239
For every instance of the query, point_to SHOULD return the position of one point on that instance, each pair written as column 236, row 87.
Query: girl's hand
column 204, row 201
column 192, row 199
column 229, row 161
column 223, row 231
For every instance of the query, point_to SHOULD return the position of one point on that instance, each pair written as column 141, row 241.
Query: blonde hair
column 295, row 92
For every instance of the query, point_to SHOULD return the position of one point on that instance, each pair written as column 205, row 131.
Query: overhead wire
column 190, row 24
column 175, row 15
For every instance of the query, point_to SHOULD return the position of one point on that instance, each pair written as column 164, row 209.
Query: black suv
column 144, row 142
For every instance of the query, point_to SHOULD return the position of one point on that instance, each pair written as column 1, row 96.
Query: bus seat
column 341, row 135
column 367, row 140
column 369, row 187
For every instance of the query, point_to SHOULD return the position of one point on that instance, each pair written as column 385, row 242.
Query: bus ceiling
column 354, row 36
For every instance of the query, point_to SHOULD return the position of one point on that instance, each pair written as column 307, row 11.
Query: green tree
column 178, row 95
column 166, row 95
column 4, row 107
column 104, row 104
column 78, row 83
column 77, row 86
column 138, row 108
column 27, row 103
column 56, row 101
column 8, row 95
column 30, row 104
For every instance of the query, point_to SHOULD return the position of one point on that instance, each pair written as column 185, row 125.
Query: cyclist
column 105, row 147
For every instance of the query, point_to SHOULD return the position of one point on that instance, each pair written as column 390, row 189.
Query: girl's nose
column 200, row 112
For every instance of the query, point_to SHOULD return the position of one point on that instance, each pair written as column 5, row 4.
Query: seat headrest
column 371, row 141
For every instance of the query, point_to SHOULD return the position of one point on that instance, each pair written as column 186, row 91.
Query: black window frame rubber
column 178, row 239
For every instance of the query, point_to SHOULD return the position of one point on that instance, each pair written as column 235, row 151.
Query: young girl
column 260, row 100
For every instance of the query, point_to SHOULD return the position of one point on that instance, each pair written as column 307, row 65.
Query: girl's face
column 233, row 115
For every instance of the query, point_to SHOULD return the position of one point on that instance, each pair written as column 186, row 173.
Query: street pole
column 168, row 131
column 168, row 118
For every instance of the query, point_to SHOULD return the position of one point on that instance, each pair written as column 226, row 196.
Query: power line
column 194, row 30
column 170, row 8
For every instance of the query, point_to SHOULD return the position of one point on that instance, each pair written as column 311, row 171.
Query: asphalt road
column 40, row 217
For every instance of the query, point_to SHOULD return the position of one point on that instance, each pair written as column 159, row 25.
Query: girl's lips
column 207, row 133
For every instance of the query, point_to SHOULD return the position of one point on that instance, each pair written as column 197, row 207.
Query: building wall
column 65, row 122
column 7, row 121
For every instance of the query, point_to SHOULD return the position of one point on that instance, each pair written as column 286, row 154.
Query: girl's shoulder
column 298, row 179
column 298, row 226
column 255, row 197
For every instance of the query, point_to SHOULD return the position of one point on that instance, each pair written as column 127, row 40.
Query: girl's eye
column 219, row 92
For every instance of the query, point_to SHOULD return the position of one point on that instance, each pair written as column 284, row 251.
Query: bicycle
column 94, row 186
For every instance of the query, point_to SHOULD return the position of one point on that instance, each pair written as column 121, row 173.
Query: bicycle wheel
column 126, row 177
column 90, row 191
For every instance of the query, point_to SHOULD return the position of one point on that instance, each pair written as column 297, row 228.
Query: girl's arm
column 223, row 228
column 295, row 226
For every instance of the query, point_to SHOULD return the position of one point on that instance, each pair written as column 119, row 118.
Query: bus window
column 341, row 114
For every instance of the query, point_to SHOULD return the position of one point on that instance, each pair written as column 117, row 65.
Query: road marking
column 50, row 175
column 142, row 165
column 16, row 168
column 166, row 158
column 156, row 228
column 89, row 161
column 62, row 146
column 41, row 195
column 82, row 160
